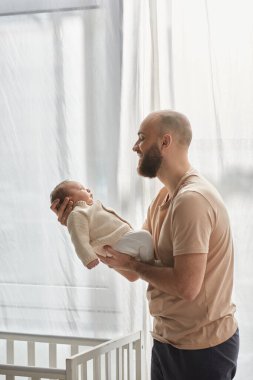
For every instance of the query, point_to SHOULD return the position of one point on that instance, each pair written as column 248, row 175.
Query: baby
column 92, row 226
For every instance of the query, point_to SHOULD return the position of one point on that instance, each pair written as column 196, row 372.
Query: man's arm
column 184, row 280
column 130, row 276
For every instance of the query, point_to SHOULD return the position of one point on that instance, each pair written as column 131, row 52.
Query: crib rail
column 53, row 343
column 35, row 373
column 58, row 339
column 128, row 361
column 119, row 359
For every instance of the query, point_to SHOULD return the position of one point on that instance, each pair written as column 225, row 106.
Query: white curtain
column 60, row 117
column 74, row 87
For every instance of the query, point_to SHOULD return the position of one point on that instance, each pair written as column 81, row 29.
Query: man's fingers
column 105, row 259
column 62, row 208
column 110, row 252
column 102, row 258
column 108, row 248
column 69, row 208
column 54, row 205
column 67, row 211
column 64, row 211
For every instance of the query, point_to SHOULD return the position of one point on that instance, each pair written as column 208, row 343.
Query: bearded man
column 195, row 333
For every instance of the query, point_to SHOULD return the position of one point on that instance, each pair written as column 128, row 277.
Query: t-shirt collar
column 190, row 172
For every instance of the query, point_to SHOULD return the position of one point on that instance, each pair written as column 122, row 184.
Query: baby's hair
column 59, row 192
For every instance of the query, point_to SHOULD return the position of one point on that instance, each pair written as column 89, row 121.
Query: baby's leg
column 138, row 244
column 147, row 246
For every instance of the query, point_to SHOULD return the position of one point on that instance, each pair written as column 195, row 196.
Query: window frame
column 17, row 7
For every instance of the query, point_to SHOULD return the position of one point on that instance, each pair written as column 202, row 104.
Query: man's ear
column 166, row 140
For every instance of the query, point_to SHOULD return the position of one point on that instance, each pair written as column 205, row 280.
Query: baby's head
column 74, row 190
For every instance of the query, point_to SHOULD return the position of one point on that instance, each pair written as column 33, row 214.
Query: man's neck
column 170, row 177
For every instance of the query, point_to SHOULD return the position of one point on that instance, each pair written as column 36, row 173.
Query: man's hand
column 117, row 260
column 122, row 263
column 63, row 211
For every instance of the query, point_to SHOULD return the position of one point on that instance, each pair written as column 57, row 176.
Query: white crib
column 88, row 359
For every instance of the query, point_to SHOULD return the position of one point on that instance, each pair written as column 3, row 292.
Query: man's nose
column 135, row 147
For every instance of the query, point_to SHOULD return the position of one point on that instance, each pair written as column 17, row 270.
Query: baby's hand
column 92, row 264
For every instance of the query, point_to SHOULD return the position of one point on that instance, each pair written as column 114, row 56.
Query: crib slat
column 10, row 351
column 31, row 353
column 71, row 370
column 108, row 366
column 124, row 363
column 84, row 375
column 119, row 367
column 130, row 361
column 52, row 351
column 139, row 358
column 10, row 356
column 97, row 368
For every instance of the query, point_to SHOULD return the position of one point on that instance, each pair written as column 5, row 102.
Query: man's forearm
column 184, row 280
column 130, row 276
column 162, row 278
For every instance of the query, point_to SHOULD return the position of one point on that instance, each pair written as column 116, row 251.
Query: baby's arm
column 93, row 264
column 79, row 231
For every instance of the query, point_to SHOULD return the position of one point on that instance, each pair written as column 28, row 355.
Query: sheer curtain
column 74, row 88
column 60, row 117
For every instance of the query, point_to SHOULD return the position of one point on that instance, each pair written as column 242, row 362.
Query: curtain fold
column 59, row 100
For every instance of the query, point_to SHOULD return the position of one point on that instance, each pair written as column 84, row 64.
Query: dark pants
column 214, row 363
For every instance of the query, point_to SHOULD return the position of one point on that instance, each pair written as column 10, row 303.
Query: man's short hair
column 178, row 124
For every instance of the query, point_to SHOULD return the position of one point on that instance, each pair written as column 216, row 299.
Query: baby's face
column 77, row 192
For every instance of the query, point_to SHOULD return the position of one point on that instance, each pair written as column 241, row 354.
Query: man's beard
column 150, row 162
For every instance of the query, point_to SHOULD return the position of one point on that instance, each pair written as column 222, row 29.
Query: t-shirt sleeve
column 147, row 225
column 192, row 223
column 79, row 231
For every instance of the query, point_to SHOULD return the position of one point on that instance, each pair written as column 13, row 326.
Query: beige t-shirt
column 194, row 220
